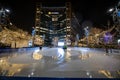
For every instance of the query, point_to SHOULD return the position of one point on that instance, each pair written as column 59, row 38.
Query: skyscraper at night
column 53, row 22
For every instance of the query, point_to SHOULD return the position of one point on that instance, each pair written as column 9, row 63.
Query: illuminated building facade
column 52, row 22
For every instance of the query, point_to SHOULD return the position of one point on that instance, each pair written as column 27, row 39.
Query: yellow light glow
column 49, row 12
column 106, row 73
column 37, row 56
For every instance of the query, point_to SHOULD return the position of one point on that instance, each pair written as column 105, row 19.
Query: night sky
column 23, row 11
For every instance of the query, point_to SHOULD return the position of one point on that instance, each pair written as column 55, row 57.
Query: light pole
column 4, row 15
column 33, row 35
column 115, row 13
column 87, row 33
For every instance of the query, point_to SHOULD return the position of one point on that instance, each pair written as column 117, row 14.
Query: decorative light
column 7, row 10
column 111, row 9
column 107, row 37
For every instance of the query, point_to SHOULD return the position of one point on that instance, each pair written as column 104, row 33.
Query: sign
column 53, row 12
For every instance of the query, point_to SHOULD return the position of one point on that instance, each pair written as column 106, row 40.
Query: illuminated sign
column 53, row 12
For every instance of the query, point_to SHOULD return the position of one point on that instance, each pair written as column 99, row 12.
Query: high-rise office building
column 53, row 22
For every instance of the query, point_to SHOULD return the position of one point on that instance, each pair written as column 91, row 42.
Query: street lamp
column 7, row 10
column 86, row 33
column 111, row 10
column 4, row 15
column 115, row 13
column 86, row 30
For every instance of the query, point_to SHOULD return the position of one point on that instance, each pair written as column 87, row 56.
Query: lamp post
column 4, row 15
column 115, row 13
column 111, row 9
column 87, row 33
column 33, row 35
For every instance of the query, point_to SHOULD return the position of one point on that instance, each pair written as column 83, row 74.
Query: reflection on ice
column 68, row 55
column 84, row 56
column 88, row 74
column 37, row 50
column 106, row 73
column 64, row 62
column 32, row 73
column 36, row 56
column 60, row 53
column 71, row 54
column 8, row 69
